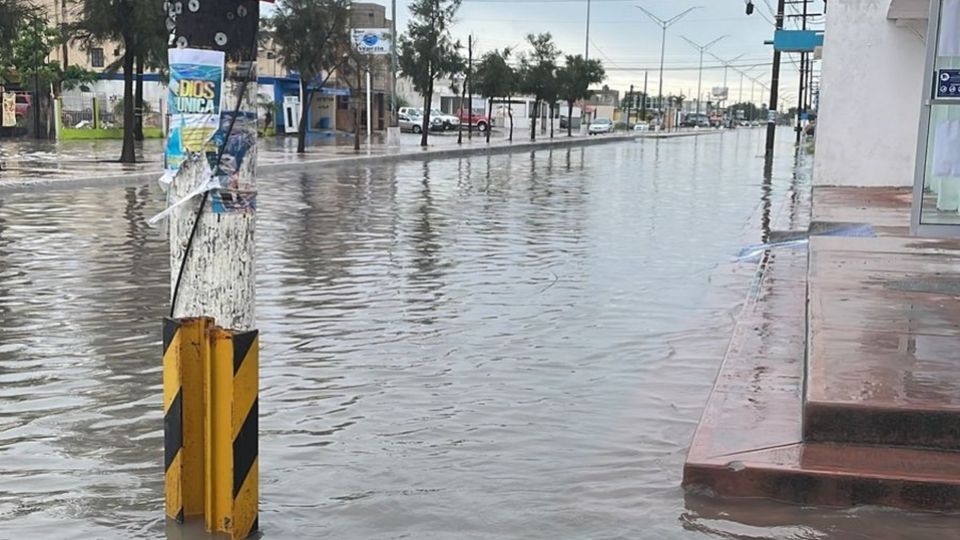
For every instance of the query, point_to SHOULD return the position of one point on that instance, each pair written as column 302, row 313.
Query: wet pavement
column 23, row 159
column 28, row 163
column 505, row 346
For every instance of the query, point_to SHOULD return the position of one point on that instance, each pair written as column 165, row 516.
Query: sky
column 628, row 42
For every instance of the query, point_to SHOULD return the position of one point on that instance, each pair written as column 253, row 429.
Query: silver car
column 601, row 125
column 410, row 123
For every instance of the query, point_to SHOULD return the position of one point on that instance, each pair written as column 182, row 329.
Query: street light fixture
column 664, row 24
column 701, row 48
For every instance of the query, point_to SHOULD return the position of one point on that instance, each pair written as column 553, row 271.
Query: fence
column 92, row 115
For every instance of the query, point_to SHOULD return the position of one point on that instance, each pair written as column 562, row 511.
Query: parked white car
column 641, row 126
column 601, row 125
column 450, row 121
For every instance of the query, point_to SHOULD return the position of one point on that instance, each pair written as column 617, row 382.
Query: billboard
column 720, row 92
column 372, row 40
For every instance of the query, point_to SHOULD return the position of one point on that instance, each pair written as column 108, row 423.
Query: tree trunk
column 356, row 128
column 570, row 119
column 356, row 113
column 489, row 118
column 128, row 154
column 510, row 114
column 533, row 120
column 427, row 100
column 552, row 105
column 304, row 109
column 138, row 100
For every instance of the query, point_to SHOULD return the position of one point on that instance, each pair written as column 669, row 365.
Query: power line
column 693, row 68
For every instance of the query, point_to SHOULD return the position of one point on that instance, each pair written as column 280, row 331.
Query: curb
column 29, row 185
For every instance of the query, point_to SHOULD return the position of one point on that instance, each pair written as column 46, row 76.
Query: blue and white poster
column 195, row 92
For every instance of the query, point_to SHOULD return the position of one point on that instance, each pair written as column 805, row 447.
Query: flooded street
column 508, row 346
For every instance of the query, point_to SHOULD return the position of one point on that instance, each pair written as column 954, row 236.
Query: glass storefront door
column 936, row 209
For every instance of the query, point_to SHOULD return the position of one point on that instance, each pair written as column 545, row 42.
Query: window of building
column 96, row 57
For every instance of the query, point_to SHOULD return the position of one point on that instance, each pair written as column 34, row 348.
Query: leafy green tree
column 313, row 38
column 495, row 78
column 27, row 56
column 538, row 73
column 750, row 110
column 427, row 51
column 575, row 78
column 14, row 14
column 134, row 26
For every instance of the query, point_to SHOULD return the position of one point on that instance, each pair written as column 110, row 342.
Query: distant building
column 330, row 109
column 602, row 103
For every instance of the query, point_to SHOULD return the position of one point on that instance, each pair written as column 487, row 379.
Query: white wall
column 870, row 97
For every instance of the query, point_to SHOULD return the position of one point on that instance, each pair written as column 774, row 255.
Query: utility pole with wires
column 774, row 87
column 643, row 104
column 805, row 68
column 664, row 24
column 701, row 49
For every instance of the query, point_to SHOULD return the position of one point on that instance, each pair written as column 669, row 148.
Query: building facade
column 330, row 109
column 870, row 95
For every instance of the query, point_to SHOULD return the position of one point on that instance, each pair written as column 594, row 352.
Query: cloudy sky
column 628, row 42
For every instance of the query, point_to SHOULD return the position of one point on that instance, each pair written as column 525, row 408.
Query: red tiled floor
column 884, row 346
column 749, row 441
column 887, row 209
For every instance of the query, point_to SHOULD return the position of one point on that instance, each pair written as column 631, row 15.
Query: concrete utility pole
column 774, row 87
column 469, row 83
column 210, row 373
column 394, row 121
column 586, row 50
column 643, row 106
column 702, row 49
column 664, row 24
column 803, row 77
column 212, row 236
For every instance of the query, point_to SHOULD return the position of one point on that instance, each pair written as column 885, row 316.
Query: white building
column 873, row 64
column 890, row 104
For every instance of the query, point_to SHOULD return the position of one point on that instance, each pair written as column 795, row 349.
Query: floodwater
column 512, row 346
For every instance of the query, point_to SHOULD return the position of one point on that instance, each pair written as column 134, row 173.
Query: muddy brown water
column 513, row 346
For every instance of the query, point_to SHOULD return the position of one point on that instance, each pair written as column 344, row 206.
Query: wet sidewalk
column 840, row 386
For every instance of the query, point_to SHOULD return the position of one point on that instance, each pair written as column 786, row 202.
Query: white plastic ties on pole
column 212, row 182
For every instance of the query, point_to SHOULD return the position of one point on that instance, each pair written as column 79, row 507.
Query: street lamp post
column 586, row 51
column 701, row 48
column 664, row 24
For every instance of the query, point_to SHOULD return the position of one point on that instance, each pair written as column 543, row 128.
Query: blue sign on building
column 797, row 40
column 948, row 83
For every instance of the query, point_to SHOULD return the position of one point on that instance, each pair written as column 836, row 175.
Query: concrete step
column 884, row 342
column 750, row 442
column 840, row 475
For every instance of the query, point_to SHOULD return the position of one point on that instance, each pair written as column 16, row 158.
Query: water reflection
column 496, row 346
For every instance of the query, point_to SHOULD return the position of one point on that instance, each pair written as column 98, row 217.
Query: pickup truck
column 477, row 120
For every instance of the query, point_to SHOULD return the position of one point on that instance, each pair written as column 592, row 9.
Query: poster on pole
column 8, row 112
column 194, row 98
column 372, row 40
